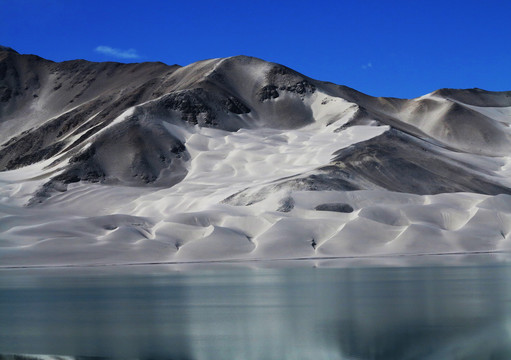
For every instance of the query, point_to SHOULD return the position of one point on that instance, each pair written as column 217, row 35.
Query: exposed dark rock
column 234, row 105
column 178, row 149
column 28, row 150
column 7, row 49
column 286, row 205
column 268, row 92
column 301, row 87
column 46, row 191
column 191, row 104
column 84, row 155
column 336, row 207
column 5, row 94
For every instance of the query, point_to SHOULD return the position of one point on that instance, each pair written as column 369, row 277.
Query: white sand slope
column 239, row 159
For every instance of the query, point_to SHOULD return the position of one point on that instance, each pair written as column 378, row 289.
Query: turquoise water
column 428, row 312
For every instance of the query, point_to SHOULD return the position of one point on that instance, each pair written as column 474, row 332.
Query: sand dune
column 240, row 159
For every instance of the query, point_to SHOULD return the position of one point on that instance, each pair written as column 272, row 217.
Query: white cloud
column 118, row 53
column 367, row 66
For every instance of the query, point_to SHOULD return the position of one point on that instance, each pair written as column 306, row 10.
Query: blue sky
column 383, row 48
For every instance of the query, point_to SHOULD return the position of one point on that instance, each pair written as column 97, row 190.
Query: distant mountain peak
column 7, row 49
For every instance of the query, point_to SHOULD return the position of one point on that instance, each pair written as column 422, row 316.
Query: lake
column 242, row 312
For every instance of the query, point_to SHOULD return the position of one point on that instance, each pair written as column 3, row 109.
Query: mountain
column 241, row 159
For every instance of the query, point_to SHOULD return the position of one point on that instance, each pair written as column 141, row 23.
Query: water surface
column 427, row 312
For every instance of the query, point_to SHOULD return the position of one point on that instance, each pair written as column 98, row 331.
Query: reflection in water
column 305, row 313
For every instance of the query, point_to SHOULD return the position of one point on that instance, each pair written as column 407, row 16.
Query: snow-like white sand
column 191, row 222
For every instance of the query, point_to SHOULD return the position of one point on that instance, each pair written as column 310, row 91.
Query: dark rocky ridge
column 477, row 97
column 399, row 162
column 7, row 49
